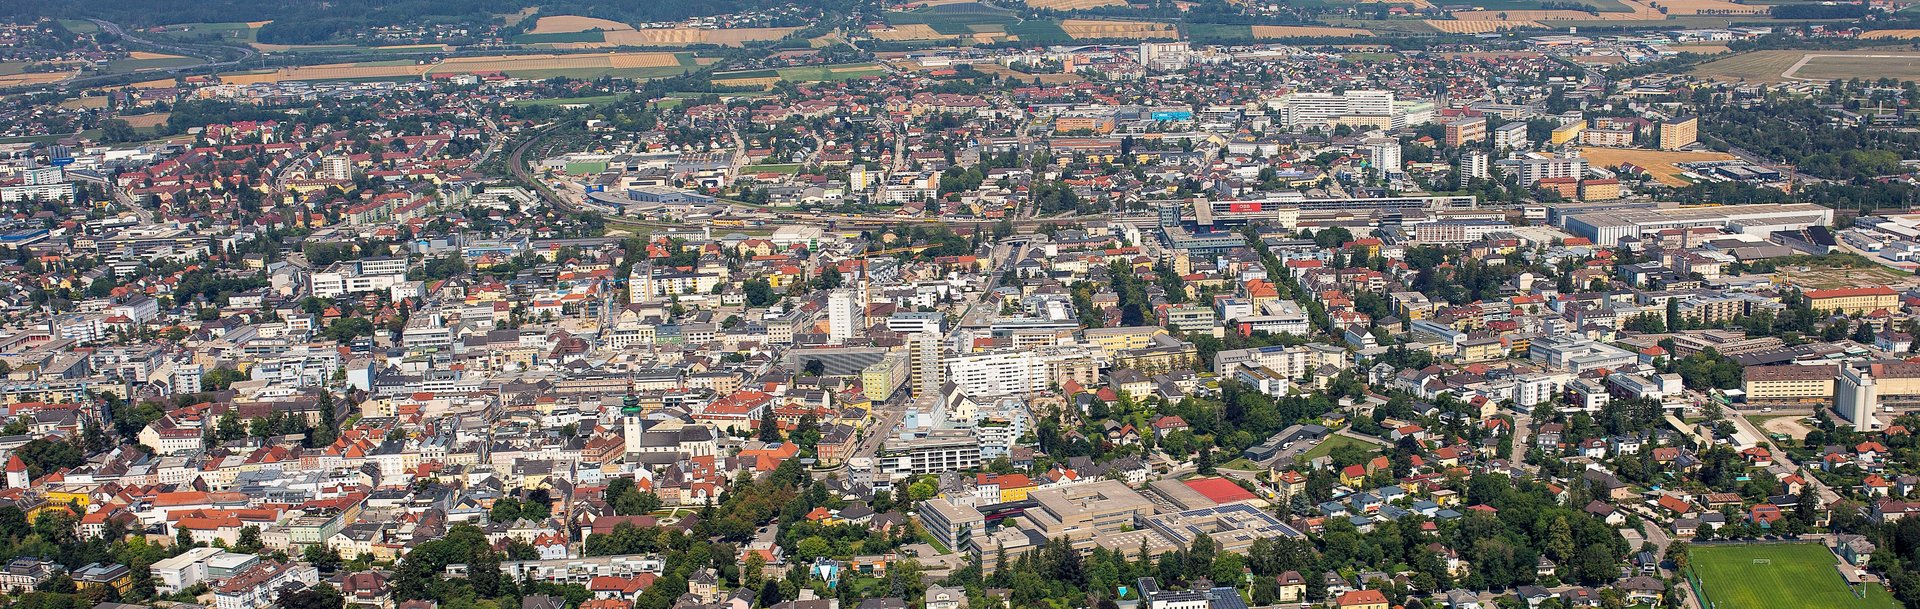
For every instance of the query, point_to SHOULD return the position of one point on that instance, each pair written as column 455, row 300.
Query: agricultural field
column 1660, row 163
column 662, row 37
column 1890, row 34
column 1072, row 5
column 766, row 78
column 583, row 65
column 1482, row 26
column 231, row 32
column 906, row 32
column 1779, row 576
column 576, row 32
column 141, row 60
column 956, row 19
column 562, row 24
column 147, row 121
column 1090, row 29
column 1702, row 49
column 79, row 26
column 1304, row 31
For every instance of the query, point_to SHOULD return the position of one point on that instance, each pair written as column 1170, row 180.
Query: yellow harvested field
column 141, row 121
column 147, row 55
column 1703, row 7
column 764, row 82
column 94, row 102
column 332, row 71
column 158, row 83
column 562, row 24
column 1089, row 28
column 1899, row 34
column 1301, row 31
column 1703, row 49
column 1482, row 26
column 33, row 78
column 682, row 36
column 461, row 65
column 1418, row 5
column 1072, row 5
column 258, row 24
column 906, row 31
column 503, row 63
column 1660, row 163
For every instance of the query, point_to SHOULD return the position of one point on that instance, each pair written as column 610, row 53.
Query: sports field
column 1778, row 576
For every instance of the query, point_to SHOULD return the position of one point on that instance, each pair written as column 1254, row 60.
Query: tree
column 324, row 558
column 116, row 130
column 769, row 428
column 249, row 541
column 319, row 596
column 1681, row 554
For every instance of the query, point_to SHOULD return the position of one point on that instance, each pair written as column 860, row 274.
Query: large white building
column 998, row 373
column 359, row 276
column 1306, row 109
column 846, row 315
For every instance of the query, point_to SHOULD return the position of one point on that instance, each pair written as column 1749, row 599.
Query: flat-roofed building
column 1083, row 511
column 1789, row 384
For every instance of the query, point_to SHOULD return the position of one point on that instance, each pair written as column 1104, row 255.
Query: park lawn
column 1794, row 576
column 1334, row 441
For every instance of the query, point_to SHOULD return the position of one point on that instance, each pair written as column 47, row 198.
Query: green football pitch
column 1778, row 576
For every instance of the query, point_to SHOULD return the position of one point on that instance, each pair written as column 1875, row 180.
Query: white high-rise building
column 923, row 349
column 998, row 373
column 846, row 316
column 1369, row 103
column 1473, row 166
column 1384, row 155
column 857, row 178
column 336, row 168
